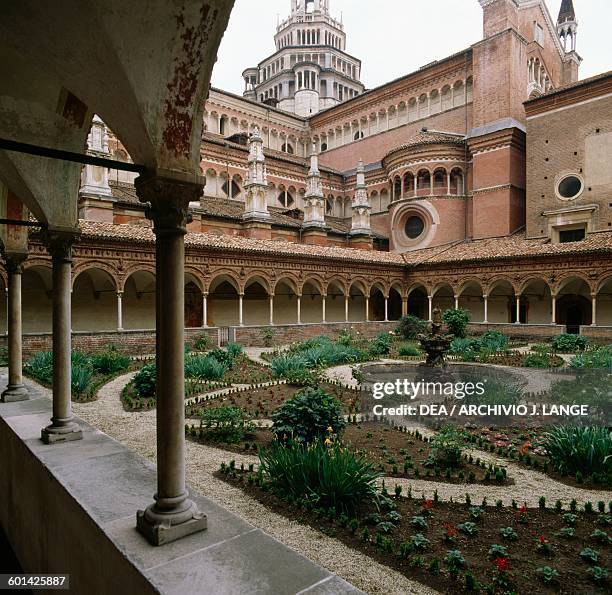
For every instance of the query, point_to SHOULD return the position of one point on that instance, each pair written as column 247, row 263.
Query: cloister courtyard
column 325, row 334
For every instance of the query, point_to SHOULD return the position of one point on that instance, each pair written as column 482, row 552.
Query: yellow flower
column 330, row 429
column 328, row 441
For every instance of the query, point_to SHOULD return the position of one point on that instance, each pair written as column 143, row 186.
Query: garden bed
column 393, row 452
column 262, row 402
column 523, row 446
column 536, row 543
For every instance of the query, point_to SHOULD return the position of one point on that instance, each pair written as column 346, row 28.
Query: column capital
column 13, row 262
column 119, row 294
column 59, row 242
column 168, row 196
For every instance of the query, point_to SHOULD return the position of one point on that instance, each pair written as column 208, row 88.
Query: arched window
column 358, row 136
column 235, row 189
column 329, row 207
column 285, row 198
column 323, row 147
column 287, row 148
column 223, row 124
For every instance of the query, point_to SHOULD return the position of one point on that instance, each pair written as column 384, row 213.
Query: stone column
column 63, row 428
column 271, row 299
column 299, row 309
column 173, row 515
column 323, row 306
column 553, row 299
column 119, row 311
column 404, row 306
column 456, row 302
column 386, row 309
column 204, row 310
column 518, row 309
column 448, row 181
column 594, row 306
column 240, row 309
column 430, row 307
column 367, row 308
column 15, row 391
column 485, row 297
column 346, row 308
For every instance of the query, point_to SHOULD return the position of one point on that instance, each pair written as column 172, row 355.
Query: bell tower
column 567, row 30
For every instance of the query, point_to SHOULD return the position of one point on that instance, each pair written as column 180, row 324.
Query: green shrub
column 110, row 361
column 494, row 341
column 4, row 356
column 222, row 356
column 569, row 343
column 40, row 367
column 446, row 448
column 225, row 424
column 410, row 327
column 80, row 379
column 537, row 360
column 346, row 337
column 329, row 476
column 201, row 342
column 466, row 348
column 574, row 449
column 307, row 416
column 234, row 350
column 268, row 337
column 286, row 364
column 457, row 321
column 204, row 367
column 407, row 349
column 599, row 358
column 381, row 344
column 145, row 381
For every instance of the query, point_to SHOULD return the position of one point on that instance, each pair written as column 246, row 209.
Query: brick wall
column 133, row 342
column 538, row 332
column 252, row 336
column 577, row 140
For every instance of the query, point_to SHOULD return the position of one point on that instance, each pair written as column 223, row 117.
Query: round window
column 414, row 227
column 569, row 187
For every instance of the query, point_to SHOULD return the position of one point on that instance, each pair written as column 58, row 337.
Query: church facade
column 481, row 181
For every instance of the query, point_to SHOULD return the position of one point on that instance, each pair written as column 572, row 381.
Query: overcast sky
column 395, row 37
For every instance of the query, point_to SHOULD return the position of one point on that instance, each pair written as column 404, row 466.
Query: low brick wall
column 540, row 331
column 253, row 336
column 137, row 342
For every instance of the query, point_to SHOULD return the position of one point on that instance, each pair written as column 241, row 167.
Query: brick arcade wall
column 540, row 332
column 252, row 336
column 139, row 342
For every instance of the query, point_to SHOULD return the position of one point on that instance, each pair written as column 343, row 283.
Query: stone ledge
column 72, row 508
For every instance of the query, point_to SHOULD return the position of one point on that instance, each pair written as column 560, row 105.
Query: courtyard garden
column 500, row 508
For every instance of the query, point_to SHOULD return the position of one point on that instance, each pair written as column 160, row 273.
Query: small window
column 414, row 227
column 286, row 199
column 235, row 189
column 539, row 34
column 323, row 147
column 572, row 235
column 569, row 187
column 287, row 148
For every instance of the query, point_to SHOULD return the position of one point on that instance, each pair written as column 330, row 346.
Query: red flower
column 542, row 539
column 523, row 509
column 428, row 504
column 450, row 529
column 502, row 564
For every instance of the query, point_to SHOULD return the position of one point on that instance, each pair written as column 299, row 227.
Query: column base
column 14, row 393
column 54, row 434
column 160, row 527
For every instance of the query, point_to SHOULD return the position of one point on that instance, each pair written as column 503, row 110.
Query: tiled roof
column 425, row 137
column 233, row 210
column 593, row 79
column 514, row 246
column 141, row 234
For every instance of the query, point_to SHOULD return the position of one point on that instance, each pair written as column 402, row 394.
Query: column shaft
column 119, row 311
column 594, row 307
column 518, row 309
column 15, row 391
column 386, row 309
column 323, row 305
column 173, row 515
column 63, row 427
column 553, row 309
column 367, row 309
column 240, row 310
column 204, row 309
column 486, row 308
column 346, row 308
column 430, row 306
column 272, row 310
column 299, row 309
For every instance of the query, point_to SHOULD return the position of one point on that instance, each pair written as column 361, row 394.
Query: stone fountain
column 435, row 343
